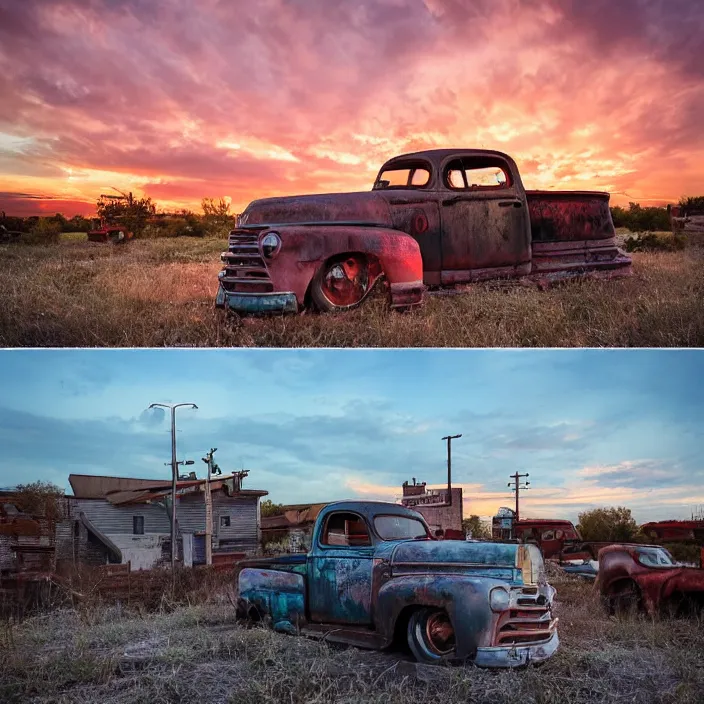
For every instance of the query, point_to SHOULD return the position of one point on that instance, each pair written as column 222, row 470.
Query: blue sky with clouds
column 593, row 427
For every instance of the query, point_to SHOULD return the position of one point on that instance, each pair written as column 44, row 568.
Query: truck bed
column 572, row 232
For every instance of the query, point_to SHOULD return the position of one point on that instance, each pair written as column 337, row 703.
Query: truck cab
column 375, row 576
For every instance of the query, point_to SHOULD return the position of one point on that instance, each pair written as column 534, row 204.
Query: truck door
column 485, row 221
column 340, row 571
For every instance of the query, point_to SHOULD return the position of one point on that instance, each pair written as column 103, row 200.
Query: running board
column 334, row 633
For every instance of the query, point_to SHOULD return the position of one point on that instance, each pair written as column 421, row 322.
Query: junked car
column 375, row 577
column 432, row 219
column 645, row 577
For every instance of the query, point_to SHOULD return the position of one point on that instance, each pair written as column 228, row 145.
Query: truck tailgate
column 572, row 232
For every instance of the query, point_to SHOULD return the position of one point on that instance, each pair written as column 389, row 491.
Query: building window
column 138, row 525
column 224, row 521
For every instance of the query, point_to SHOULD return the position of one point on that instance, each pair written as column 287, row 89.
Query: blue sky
column 592, row 427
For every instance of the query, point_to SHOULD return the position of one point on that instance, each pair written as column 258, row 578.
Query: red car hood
column 358, row 208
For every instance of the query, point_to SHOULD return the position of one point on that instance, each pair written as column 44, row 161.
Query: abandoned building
column 28, row 537
column 441, row 509
column 293, row 528
column 128, row 520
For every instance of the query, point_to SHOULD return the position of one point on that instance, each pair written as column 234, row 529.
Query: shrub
column 637, row 218
column 692, row 203
column 44, row 231
column 654, row 242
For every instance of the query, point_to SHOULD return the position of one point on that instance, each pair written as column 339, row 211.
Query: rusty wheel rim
column 346, row 282
column 439, row 633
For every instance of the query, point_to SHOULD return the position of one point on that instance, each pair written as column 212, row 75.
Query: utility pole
column 516, row 486
column 449, row 439
column 212, row 469
column 174, row 471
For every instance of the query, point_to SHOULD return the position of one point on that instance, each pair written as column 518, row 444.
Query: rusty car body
column 116, row 234
column 646, row 577
column 432, row 219
column 375, row 576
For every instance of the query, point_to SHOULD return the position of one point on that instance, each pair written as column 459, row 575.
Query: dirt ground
column 161, row 292
column 199, row 654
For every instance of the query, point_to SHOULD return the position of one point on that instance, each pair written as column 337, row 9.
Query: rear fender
column 305, row 248
column 465, row 599
column 276, row 594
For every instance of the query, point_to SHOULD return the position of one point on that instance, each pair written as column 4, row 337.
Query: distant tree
column 269, row 508
column 477, row 527
column 40, row 499
column 131, row 212
column 692, row 202
column 605, row 524
column 78, row 224
column 217, row 216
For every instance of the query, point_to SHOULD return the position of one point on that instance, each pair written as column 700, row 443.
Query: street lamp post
column 174, row 470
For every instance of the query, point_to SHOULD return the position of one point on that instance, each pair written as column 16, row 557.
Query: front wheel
column 342, row 283
column 625, row 599
column 431, row 636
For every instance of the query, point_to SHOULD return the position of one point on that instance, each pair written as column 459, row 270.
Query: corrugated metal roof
column 126, row 490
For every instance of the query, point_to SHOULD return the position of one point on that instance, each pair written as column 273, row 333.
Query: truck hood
column 495, row 559
column 364, row 208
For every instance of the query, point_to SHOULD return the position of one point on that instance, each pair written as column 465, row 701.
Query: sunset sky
column 238, row 99
column 592, row 427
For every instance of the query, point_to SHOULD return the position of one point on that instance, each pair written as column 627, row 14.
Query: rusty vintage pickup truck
column 375, row 576
column 433, row 219
column 645, row 577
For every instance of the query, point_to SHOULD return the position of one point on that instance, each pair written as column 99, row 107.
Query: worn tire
column 319, row 294
column 626, row 599
column 431, row 636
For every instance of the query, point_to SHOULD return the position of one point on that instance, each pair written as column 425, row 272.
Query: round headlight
column 499, row 599
column 270, row 244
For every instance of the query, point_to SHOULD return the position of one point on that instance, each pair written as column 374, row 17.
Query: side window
column 403, row 176
column 138, row 525
column 477, row 173
column 224, row 521
column 345, row 529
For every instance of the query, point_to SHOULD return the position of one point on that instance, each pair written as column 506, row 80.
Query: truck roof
column 437, row 155
column 369, row 509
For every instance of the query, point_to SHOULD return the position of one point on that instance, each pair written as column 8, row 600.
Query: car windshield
column 655, row 557
column 399, row 528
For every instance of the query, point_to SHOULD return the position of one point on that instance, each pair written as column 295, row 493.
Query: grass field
column 161, row 293
column 199, row 654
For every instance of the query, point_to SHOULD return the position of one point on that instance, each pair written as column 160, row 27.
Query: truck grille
column 245, row 271
column 529, row 620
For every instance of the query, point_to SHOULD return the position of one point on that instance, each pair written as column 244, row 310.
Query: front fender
column 305, row 248
column 466, row 600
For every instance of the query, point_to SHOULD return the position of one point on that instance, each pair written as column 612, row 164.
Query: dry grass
column 198, row 653
column 161, row 293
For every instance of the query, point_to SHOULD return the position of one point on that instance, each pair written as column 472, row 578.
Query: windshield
column 655, row 557
column 403, row 176
column 399, row 528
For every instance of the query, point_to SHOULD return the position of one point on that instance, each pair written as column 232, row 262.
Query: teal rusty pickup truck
column 375, row 577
